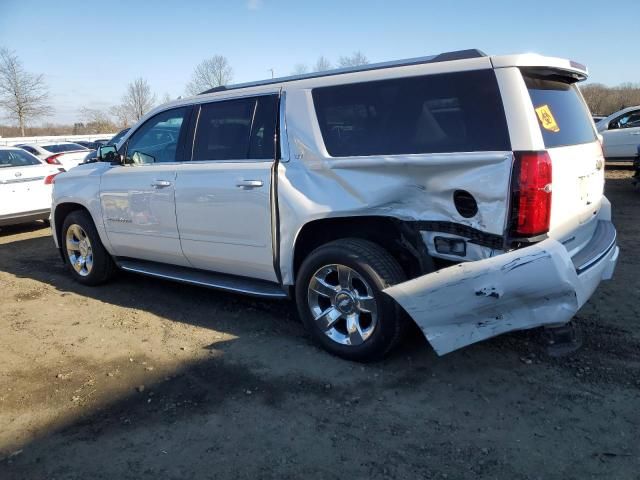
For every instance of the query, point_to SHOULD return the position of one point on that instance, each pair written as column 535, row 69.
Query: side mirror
column 108, row 153
column 613, row 125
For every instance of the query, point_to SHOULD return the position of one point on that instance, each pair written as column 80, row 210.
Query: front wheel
column 87, row 259
column 340, row 299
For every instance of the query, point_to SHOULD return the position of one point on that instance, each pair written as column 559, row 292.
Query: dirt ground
column 146, row 379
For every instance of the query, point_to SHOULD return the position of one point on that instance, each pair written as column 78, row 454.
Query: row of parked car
column 27, row 172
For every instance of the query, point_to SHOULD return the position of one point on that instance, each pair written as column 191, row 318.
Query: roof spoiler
column 541, row 65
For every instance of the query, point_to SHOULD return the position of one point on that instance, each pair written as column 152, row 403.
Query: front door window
column 157, row 140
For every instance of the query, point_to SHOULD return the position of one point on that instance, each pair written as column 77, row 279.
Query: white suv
column 463, row 190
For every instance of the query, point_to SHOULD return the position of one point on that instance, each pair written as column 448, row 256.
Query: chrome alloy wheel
column 342, row 304
column 79, row 250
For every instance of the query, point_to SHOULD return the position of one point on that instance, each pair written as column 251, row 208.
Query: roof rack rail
column 442, row 57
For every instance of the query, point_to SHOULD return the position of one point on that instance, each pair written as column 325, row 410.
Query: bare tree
column 121, row 115
column 96, row 121
column 322, row 64
column 300, row 69
column 355, row 59
column 210, row 73
column 166, row 98
column 138, row 99
column 23, row 95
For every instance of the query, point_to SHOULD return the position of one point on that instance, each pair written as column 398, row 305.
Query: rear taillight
column 53, row 159
column 531, row 194
column 50, row 179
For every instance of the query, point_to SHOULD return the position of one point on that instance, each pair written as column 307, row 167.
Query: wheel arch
column 61, row 211
column 399, row 238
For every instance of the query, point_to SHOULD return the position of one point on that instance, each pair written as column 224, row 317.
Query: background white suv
column 463, row 190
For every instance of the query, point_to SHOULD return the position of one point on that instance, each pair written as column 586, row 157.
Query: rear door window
column 563, row 117
column 223, row 130
column 237, row 129
column 263, row 130
column 452, row 112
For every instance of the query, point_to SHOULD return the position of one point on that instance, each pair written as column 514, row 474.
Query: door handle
column 249, row 184
column 635, row 133
column 161, row 184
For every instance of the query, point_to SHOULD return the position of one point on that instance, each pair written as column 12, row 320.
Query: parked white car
column 464, row 189
column 621, row 134
column 65, row 154
column 25, row 187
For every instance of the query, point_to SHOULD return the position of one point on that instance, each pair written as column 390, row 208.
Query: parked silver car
column 621, row 134
column 463, row 190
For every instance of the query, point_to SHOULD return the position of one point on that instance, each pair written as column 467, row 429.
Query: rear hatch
column 576, row 155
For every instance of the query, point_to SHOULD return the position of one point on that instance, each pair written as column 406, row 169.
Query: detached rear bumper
column 531, row 287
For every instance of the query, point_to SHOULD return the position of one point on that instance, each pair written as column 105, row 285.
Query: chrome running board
column 219, row 281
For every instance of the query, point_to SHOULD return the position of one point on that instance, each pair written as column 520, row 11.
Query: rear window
column 63, row 147
column 17, row 158
column 563, row 117
column 452, row 112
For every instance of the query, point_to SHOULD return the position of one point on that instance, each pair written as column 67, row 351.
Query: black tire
column 103, row 267
column 379, row 270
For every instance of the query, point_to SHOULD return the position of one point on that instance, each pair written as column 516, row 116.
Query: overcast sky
column 90, row 50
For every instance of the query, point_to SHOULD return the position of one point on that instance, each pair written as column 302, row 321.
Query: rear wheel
column 87, row 259
column 340, row 299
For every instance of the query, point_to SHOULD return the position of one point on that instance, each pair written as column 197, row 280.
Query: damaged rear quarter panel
column 473, row 301
column 314, row 185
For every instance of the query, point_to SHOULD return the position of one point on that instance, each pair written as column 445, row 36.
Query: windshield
column 118, row 136
column 63, row 147
column 563, row 117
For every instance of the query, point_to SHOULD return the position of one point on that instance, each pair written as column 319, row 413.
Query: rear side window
column 563, row 117
column 452, row 112
column 17, row 158
column 237, row 129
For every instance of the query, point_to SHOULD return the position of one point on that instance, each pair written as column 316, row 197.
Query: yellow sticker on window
column 546, row 119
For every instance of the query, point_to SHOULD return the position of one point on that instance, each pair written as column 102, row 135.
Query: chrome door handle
column 161, row 184
column 248, row 184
